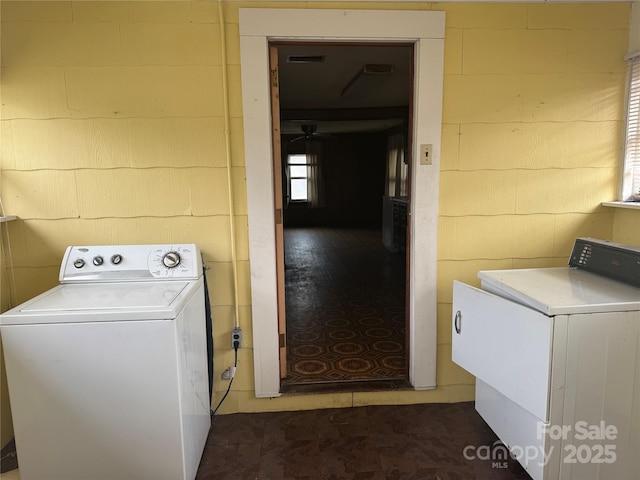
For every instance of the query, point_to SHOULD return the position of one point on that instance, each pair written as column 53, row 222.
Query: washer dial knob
column 78, row 263
column 116, row 259
column 171, row 259
column 97, row 261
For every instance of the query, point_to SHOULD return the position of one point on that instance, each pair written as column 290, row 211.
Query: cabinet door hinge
column 283, row 340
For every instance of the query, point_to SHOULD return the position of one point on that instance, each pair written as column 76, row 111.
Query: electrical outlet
column 229, row 373
column 236, row 338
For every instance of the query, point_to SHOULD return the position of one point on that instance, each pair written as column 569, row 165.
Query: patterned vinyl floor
column 345, row 296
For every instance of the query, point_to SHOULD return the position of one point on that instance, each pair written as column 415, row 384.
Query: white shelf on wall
column 8, row 218
column 632, row 205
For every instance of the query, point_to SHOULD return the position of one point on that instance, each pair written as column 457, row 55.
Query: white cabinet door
column 505, row 344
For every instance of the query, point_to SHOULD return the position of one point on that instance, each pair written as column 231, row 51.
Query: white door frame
column 424, row 28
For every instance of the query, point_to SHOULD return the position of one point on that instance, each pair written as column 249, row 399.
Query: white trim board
column 426, row 30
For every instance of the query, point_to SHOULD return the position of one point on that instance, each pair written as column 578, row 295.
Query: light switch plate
column 426, row 153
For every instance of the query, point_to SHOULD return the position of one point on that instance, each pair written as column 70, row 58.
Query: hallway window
column 297, row 175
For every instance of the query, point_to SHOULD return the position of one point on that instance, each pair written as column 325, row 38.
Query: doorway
column 345, row 123
column 426, row 30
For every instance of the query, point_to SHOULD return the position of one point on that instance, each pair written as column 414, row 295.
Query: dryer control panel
column 609, row 259
column 110, row 263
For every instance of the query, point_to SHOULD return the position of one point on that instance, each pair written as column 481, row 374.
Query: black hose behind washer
column 209, row 330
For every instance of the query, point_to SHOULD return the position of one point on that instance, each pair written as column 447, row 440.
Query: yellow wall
column 113, row 132
column 626, row 226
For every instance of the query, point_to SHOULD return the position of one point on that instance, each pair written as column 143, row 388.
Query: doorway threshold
column 347, row 386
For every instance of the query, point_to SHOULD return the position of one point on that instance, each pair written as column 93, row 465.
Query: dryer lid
column 563, row 290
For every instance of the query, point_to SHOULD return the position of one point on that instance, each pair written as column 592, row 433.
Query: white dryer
column 556, row 355
column 107, row 372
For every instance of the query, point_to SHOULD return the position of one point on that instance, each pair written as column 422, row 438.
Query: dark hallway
column 345, row 307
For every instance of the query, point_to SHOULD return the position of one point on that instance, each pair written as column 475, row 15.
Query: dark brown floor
column 419, row 442
column 345, row 297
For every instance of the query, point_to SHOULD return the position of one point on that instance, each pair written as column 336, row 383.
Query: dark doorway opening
column 344, row 201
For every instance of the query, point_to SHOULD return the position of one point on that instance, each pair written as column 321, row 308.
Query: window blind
column 631, row 174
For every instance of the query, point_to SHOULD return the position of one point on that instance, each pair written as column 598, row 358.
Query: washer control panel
column 109, row 263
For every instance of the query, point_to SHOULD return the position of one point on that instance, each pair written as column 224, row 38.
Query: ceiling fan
column 309, row 131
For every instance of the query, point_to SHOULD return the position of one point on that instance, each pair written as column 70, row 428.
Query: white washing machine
column 556, row 355
column 107, row 372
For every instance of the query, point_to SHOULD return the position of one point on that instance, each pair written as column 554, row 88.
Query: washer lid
column 73, row 303
column 563, row 290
